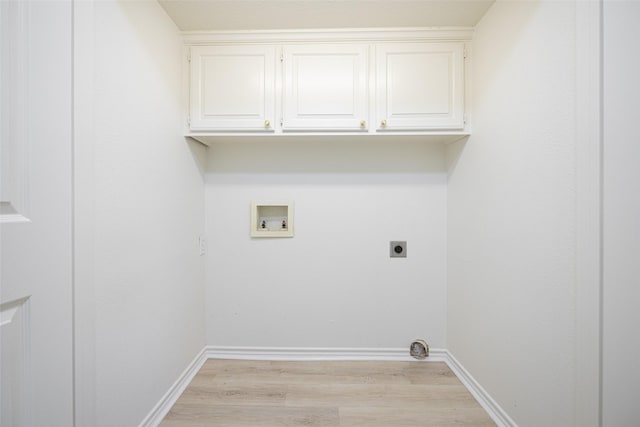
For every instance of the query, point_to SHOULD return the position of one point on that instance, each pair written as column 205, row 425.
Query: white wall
column 511, row 214
column 333, row 284
column 148, row 203
column 511, row 227
column 621, row 375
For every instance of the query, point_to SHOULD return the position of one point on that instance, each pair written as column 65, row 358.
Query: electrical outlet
column 398, row 249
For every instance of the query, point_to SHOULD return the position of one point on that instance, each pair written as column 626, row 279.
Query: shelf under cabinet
column 390, row 137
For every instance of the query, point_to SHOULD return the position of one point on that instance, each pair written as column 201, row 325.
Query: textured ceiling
column 198, row 15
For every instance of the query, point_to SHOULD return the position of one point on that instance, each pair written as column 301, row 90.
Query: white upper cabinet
column 325, row 87
column 383, row 83
column 233, row 88
column 419, row 86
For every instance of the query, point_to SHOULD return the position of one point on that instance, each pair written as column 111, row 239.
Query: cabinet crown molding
column 370, row 35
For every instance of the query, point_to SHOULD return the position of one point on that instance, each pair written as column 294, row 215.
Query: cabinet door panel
column 420, row 86
column 232, row 88
column 325, row 87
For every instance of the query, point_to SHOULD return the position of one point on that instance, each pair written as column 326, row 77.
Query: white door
column 325, row 87
column 35, row 214
column 232, row 88
column 420, row 86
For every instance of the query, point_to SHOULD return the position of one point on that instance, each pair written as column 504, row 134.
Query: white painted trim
column 318, row 354
column 167, row 401
column 588, row 281
column 329, row 35
column 497, row 414
column 83, row 188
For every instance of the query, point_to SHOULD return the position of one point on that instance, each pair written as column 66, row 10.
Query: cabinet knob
column 363, row 123
column 267, row 123
column 383, row 123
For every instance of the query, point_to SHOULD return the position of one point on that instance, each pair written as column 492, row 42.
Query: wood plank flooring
column 235, row 393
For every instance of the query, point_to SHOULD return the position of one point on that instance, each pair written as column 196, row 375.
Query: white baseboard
column 494, row 410
column 317, row 354
column 497, row 414
column 167, row 401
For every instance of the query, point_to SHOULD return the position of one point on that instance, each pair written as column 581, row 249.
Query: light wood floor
column 235, row 393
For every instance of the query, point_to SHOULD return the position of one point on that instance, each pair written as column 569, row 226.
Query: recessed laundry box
column 272, row 219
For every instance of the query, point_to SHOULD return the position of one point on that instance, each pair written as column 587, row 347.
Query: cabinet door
column 419, row 86
column 232, row 88
column 325, row 87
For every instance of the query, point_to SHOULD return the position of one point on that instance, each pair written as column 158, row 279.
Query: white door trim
column 588, row 285
column 84, row 333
